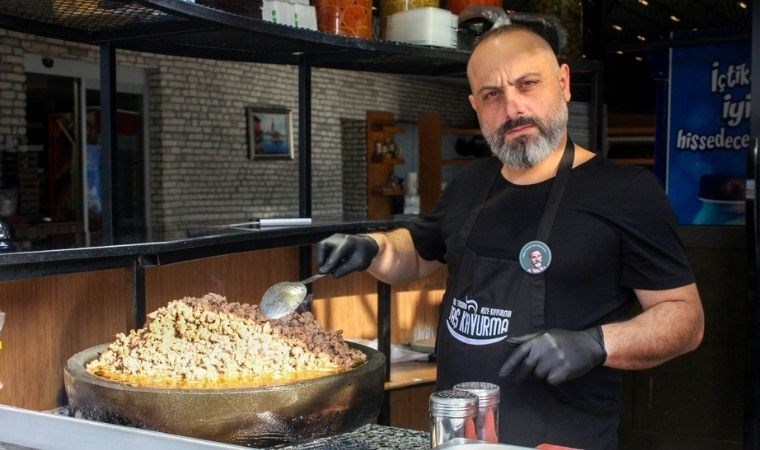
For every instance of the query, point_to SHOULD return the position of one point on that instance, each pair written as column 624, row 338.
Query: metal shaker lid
column 453, row 403
column 488, row 393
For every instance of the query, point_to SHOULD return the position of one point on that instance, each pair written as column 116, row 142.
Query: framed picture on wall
column 270, row 133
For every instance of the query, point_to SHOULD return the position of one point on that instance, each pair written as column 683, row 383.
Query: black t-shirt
column 614, row 231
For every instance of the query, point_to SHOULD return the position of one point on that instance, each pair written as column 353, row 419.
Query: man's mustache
column 517, row 122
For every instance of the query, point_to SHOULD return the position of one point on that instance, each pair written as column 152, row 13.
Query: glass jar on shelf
column 351, row 18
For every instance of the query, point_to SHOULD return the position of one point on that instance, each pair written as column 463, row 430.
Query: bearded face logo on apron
column 489, row 299
column 535, row 257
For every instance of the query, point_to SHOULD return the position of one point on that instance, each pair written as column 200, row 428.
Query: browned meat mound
column 208, row 342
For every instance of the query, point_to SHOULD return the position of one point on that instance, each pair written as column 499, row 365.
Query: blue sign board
column 708, row 132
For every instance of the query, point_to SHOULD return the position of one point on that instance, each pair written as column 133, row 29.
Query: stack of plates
column 423, row 26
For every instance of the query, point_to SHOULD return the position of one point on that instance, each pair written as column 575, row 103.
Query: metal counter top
column 41, row 430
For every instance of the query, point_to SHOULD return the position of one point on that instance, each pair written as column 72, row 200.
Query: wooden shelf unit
column 432, row 161
column 381, row 128
column 387, row 191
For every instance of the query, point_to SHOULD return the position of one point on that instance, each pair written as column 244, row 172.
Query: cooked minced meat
column 209, row 341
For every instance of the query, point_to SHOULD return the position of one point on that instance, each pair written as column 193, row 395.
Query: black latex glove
column 341, row 254
column 555, row 355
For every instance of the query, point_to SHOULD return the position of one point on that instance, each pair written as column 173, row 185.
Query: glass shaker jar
column 452, row 415
column 351, row 18
column 487, row 422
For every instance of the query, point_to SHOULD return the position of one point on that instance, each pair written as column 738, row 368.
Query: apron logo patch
column 475, row 325
column 535, row 257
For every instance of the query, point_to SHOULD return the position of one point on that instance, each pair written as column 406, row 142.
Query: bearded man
column 555, row 340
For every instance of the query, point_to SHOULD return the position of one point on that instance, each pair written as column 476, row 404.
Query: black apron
column 489, row 299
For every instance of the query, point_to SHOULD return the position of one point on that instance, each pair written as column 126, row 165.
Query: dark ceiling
column 627, row 35
column 646, row 21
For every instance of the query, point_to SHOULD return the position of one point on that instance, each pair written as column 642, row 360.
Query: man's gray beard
column 525, row 152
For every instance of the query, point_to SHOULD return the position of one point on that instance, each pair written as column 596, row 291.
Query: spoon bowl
column 284, row 297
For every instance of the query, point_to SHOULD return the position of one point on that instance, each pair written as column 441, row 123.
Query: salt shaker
column 452, row 415
column 487, row 422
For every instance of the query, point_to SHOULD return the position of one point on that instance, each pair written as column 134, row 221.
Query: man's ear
column 564, row 81
column 472, row 101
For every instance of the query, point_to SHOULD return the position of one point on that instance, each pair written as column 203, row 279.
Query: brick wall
column 354, row 160
column 199, row 171
column 12, row 93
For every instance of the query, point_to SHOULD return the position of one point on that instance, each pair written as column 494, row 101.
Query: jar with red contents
column 456, row 6
column 351, row 18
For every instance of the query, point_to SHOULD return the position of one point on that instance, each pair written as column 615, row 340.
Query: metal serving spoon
column 284, row 297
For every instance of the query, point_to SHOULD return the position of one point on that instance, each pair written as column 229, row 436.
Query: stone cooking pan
column 260, row 416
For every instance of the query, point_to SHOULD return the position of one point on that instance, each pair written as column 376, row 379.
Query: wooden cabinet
column 435, row 159
column 383, row 193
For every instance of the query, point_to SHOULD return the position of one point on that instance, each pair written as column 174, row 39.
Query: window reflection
column 51, row 187
column 127, row 168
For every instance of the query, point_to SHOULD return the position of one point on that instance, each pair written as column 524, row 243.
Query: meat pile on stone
column 209, row 342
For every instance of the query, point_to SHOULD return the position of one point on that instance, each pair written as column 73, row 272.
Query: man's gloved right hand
column 341, row 254
column 555, row 355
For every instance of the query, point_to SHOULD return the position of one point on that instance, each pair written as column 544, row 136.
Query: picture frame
column 269, row 132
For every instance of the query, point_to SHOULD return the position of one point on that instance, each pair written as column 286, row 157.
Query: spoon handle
column 313, row 278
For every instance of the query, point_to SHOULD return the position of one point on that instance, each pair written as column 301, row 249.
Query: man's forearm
column 397, row 260
column 670, row 327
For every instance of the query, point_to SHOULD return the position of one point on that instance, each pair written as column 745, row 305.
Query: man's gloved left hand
column 555, row 355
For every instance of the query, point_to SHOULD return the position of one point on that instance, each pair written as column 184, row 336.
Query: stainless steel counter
column 42, row 430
